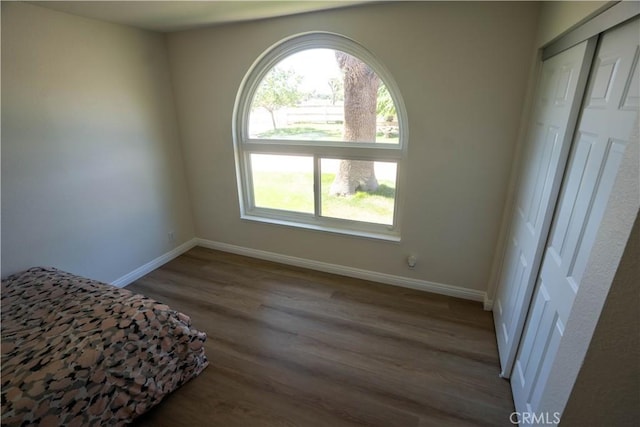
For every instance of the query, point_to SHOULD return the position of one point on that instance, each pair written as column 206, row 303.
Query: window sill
column 391, row 236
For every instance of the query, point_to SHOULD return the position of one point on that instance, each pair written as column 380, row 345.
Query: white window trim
column 244, row 145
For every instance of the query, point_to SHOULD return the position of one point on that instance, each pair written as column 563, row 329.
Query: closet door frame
column 616, row 14
column 604, row 19
column 558, row 100
column 603, row 140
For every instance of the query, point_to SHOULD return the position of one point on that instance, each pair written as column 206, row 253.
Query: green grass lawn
column 294, row 192
column 316, row 132
column 311, row 132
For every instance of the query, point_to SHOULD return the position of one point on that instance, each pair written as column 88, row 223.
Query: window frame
column 244, row 145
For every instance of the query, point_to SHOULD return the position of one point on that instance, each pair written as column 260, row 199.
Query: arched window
column 320, row 138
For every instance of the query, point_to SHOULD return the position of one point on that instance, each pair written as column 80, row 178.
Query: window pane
column 283, row 182
column 323, row 95
column 345, row 194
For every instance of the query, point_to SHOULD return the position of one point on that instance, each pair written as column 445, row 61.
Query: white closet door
column 608, row 118
column 558, row 96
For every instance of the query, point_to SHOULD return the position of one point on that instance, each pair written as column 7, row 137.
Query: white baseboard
column 153, row 264
column 374, row 276
column 487, row 303
column 389, row 279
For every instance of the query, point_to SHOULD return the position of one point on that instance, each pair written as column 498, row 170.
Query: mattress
column 77, row 352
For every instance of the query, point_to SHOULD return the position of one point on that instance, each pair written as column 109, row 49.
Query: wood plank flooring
column 294, row 347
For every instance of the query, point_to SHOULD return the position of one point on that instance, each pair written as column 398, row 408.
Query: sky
column 317, row 66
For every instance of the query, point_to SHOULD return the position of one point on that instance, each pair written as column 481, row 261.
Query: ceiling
column 176, row 15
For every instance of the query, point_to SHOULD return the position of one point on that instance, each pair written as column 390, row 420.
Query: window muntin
column 270, row 157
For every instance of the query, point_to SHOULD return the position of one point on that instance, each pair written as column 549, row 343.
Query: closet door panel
column 558, row 96
column 607, row 122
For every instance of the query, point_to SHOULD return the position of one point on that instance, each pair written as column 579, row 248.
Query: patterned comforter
column 77, row 352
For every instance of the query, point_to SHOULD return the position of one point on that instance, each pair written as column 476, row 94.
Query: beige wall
column 557, row 17
column 462, row 70
column 92, row 174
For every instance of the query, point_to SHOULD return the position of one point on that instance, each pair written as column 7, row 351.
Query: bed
column 77, row 352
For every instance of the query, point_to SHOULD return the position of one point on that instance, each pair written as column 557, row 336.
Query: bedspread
column 77, row 352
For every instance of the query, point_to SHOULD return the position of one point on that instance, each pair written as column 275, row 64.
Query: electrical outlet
column 411, row 261
column 171, row 236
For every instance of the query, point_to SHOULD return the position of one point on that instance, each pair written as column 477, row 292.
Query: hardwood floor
column 295, row 347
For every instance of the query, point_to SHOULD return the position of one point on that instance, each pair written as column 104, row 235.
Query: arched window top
column 320, row 135
column 303, row 78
